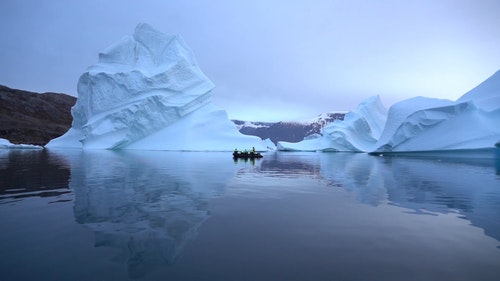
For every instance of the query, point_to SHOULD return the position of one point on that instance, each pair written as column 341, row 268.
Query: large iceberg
column 427, row 124
column 416, row 124
column 147, row 92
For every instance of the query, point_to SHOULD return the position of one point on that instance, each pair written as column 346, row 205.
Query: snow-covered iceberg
column 427, row 124
column 358, row 132
column 148, row 92
column 416, row 124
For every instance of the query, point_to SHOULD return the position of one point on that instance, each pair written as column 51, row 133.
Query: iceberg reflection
column 146, row 205
column 425, row 184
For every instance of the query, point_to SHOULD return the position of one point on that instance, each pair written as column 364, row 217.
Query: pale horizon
column 269, row 61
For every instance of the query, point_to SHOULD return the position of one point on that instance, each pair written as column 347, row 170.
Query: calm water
column 141, row 215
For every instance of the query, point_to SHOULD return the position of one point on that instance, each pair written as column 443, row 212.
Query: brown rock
column 33, row 118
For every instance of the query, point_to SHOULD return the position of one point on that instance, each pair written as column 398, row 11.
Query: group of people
column 245, row 151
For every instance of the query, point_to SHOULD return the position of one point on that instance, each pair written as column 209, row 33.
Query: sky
column 269, row 60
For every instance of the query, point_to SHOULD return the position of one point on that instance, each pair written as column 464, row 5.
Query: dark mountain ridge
column 289, row 131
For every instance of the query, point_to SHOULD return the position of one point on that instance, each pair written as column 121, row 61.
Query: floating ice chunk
column 6, row 144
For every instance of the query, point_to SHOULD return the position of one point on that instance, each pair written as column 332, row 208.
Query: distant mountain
column 290, row 131
column 33, row 118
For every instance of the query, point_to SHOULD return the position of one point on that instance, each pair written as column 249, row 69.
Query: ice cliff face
column 141, row 85
column 416, row 124
column 425, row 124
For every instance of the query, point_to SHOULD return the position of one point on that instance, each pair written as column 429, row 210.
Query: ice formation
column 359, row 131
column 416, row 124
column 147, row 92
column 6, row 144
column 426, row 124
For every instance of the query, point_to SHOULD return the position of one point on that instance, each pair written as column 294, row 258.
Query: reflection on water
column 293, row 164
column 434, row 183
column 148, row 206
column 145, row 205
column 32, row 173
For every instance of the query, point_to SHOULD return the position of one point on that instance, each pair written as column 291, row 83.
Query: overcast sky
column 269, row 60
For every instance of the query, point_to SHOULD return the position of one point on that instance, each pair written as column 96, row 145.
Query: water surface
column 144, row 215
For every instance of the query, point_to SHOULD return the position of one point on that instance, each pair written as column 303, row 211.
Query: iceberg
column 147, row 92
column 416, row 125
column 426, row 124
column 358, row 132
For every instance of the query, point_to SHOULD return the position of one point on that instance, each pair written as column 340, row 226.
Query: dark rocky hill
column 33, row 118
